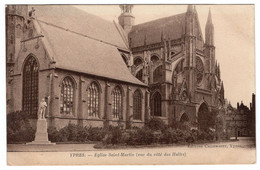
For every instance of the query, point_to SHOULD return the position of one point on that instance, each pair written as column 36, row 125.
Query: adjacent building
column 240, row 121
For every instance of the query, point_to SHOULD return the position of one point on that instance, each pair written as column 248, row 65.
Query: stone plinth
column 41, row 135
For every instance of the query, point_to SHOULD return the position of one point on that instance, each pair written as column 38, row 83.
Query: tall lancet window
column 117, row 103
column 156, row 106
column 137, row 105
column 93, row 100
column 67, row 96
column 30, row 86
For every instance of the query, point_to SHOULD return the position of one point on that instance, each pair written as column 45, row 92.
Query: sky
column 234, row 39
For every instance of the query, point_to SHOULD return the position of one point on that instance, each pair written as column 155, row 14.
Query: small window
column 154, row 59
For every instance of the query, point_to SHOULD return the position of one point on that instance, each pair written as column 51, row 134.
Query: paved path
column 243, row 142
column 84, row 154
column 49, row 148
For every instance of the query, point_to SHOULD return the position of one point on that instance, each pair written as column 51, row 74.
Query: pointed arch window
column 156, row 105
column 157, row 74
column 93, row 100
column 117, row 103
column 184, row 118
column 30, row 86
column 137, row 105
column 154, row 58
column 67, row 96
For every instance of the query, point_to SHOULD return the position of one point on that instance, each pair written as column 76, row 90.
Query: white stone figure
column 42, row 109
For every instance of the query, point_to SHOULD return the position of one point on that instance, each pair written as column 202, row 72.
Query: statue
column 42, row 108
column 41, row 135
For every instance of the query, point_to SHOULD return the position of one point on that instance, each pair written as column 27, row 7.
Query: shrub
column 75, row 133
column 156, row 124
column 205, row 135
column 82, row 134
column 143, row 136
column 116, row 135
column 113, row 136
column 55, row 136
column 169, row 136
column 95, row 134
column 19, row 128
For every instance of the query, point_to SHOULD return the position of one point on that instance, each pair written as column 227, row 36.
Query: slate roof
column 81, row 42
column 170, row 27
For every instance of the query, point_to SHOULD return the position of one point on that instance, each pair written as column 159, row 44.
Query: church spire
column 190, row 9
column 209, row 31
column 209, row 20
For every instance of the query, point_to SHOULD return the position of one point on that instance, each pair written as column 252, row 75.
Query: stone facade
column 32, row 44
column 189, row 75
column 178, row 73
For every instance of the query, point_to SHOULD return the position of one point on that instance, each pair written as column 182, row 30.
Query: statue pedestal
column 41, row 135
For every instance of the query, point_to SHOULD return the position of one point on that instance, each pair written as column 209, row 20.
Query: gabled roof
column 72, row 18
column 66, row 36
column 151, row 32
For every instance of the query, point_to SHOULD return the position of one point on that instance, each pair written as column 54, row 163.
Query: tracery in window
column 199, row 69
column 30, row 86
column 137, row 105
column 117, row 103
column 93, row 100
column 67, row 96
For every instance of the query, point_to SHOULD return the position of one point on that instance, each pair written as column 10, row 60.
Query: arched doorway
column 30, row 86
column 204, row 118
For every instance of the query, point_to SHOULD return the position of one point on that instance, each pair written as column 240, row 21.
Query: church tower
column 16, row 17
column 126, row 19
column 209, row 44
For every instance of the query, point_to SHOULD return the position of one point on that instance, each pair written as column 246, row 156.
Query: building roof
column 82, row 42
column 152, row 32
column 75, row 19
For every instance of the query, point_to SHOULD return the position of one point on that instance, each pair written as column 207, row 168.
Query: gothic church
column 94, row 72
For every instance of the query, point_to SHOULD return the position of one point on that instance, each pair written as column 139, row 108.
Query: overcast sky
column 234, row 39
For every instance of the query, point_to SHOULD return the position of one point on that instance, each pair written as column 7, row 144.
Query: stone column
column 147, row 105
column 108, row 105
